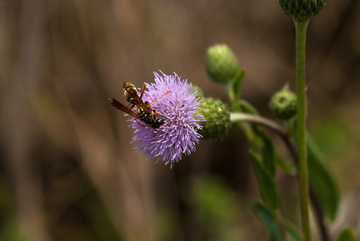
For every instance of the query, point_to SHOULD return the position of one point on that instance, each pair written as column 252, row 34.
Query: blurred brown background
column 68, row 170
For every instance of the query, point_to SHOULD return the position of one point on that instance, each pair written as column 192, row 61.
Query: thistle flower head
column 179, row 109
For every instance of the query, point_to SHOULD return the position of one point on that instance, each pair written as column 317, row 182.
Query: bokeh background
column 68, row 170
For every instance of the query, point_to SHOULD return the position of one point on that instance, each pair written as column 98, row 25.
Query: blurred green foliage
column 334, row 136
column 269, row 220
column 167, row 224
column 10, row 228
column 217, row 209
column 346, row 235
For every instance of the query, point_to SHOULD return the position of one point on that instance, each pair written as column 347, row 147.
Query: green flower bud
column 217, row 118
column 221, row 63
column 283, row 104
column 199, row 92
column 301, row 10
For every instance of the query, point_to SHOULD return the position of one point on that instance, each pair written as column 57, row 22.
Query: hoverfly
column 144, row 111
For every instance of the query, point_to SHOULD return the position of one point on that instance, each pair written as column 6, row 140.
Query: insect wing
column 134, row 94
column 116, row 104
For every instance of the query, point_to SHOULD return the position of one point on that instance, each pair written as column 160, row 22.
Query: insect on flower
column 144, row 111
column 179, row 109
column 175, row 133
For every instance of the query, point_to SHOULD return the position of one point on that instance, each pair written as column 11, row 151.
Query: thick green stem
column 301, row 126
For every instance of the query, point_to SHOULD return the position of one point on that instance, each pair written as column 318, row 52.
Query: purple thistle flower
column 179, row 110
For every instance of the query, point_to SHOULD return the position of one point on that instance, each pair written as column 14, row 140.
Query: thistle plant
column 189, row 115
column 265, row 160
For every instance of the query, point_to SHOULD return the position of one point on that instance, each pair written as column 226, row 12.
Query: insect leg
column 158, row 98
column 142, row 90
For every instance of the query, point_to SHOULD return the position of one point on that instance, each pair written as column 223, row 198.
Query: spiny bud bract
column 301, row 10
column 283, row 104
column 217, row 118
column 199, row 92
column 221, row 63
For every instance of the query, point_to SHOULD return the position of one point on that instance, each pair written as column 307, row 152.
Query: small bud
column 301, row 10
column 221, row 63
column 217, row 118
column 283, row 104
column 199, row 92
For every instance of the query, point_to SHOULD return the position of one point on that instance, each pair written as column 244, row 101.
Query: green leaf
column 249, row 108
column 267, row 185
column 322, row 180
column 268, row 153
column 267, row 149
column 269, row 220
column 293, row 232
column 287, row 167
column 236, row 84
column 347, row 235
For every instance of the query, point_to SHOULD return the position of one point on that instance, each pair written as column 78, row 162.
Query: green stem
column 281, row 131
column 301, row 126
column 242, row 117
